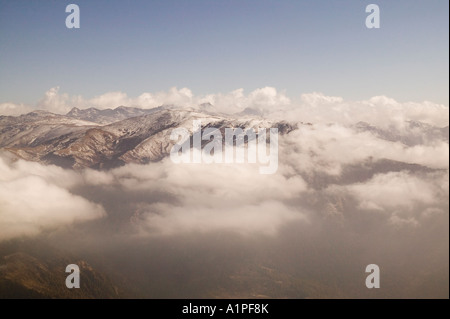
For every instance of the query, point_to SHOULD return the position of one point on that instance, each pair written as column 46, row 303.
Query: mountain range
column 113, row 137
column 109, row 138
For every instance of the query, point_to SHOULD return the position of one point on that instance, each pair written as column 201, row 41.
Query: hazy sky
column 218, row 46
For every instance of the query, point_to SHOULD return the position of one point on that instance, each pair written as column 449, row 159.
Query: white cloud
column 109, row 100
column 404, row 198
column 35, row 200
column 212, row 197
column 54, row 101
column 327, row 148
column 14, row 109
column 394, row 190
column 380, row 111
column 265, row 217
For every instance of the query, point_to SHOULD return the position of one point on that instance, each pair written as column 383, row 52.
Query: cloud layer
column 268, row 102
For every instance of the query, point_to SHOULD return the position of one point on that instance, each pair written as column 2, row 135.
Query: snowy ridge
column 71, row 141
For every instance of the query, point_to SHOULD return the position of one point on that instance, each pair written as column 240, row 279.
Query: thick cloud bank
column 34, row 198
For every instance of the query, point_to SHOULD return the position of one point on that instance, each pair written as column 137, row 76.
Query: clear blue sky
column 215, row 46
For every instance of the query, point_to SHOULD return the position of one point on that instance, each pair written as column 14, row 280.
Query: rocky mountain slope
column 36, row 270
column 142, row 137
